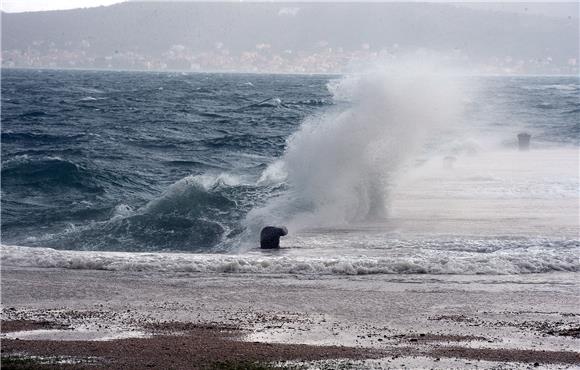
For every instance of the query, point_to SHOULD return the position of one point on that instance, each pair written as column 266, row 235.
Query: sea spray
column 340, row 164
column 179, row 169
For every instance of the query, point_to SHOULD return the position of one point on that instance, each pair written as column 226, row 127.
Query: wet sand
column 154, row 320
column 179, row 347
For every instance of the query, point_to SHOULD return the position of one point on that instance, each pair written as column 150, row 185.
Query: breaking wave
column 470, row 258
column 193, row 163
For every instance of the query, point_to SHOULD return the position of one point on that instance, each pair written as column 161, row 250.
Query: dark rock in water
column 270, row 237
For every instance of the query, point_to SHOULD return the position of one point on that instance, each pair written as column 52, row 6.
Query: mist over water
column 340, row 164
column 401, row 169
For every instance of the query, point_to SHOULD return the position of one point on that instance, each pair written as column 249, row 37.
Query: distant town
column 269, row 37
column 262, row 59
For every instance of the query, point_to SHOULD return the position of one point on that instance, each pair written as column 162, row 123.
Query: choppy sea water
column 378, row 173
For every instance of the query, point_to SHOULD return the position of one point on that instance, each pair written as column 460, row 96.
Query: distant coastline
column 288, row 37
column 266, row 73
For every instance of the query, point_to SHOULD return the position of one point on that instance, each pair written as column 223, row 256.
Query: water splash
column 340, row 165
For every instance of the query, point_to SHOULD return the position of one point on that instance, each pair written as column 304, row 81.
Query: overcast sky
column 16, row 6
column 555, row 9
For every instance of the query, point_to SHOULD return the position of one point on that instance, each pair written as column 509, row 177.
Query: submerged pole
column 524, row 141
column 448, row 162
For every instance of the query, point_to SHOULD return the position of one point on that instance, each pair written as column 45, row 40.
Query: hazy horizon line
column 263, row 73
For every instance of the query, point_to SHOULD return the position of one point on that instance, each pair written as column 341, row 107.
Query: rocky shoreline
column 129, row 321
column 170, row 346
column 181, row 345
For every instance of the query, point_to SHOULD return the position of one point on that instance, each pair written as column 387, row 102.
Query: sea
column 395, row 170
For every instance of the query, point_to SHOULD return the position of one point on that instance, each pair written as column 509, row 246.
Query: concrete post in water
column 270, row 236
column 524, row 141
column 448, row 162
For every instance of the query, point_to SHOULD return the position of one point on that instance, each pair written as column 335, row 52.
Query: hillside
column 188, row 35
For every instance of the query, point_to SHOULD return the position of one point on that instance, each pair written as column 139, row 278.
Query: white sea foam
column 273, row 174
column 208, row 181
column 482, row 257
column 122, row 210
column 186, row 192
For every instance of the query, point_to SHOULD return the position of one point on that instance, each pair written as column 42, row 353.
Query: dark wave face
column 170, row 161
column 88, row 157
